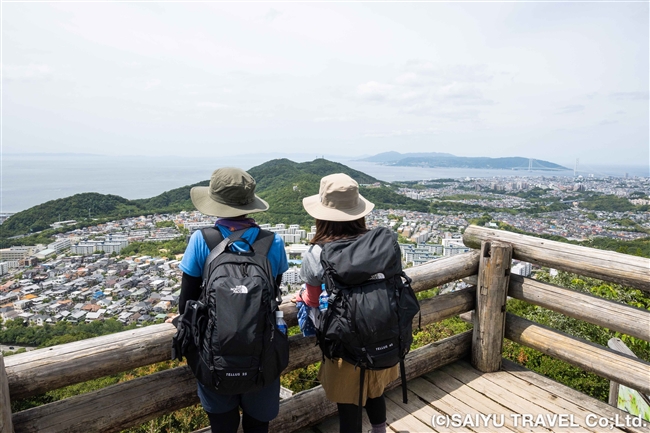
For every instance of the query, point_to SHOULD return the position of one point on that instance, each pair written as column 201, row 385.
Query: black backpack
column 371, row 306
column 229, row 336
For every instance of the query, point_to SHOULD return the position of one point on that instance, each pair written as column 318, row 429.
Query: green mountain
column 446, row 160
column 281, row 182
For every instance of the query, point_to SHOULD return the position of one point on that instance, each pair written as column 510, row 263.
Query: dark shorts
column 262, row 405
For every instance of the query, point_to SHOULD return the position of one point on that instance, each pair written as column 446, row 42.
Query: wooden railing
column 605, row 265
column 134, row 402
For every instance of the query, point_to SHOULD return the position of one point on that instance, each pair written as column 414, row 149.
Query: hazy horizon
column 31, row 179
column 299, row 157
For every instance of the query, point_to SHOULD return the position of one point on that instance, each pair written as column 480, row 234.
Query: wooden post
column 6, row 425
column 491, row 296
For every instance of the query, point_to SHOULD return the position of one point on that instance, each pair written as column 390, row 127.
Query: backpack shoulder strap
column 218, row 249
column 212, row 236
column 263, row 242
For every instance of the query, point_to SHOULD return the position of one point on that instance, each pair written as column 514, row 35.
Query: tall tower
column 575, row 168
column 530, row 164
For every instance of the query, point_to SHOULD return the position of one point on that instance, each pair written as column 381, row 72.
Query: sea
column 27, row 180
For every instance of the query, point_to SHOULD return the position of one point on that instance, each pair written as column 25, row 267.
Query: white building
column 46, row 253
column 292, row 276
column 60, row 245
column 522, row 268
column 289, row 238
column 194, row 226
column 84, row 249
column 455, row 248
column 111, row 247
column 16, row 253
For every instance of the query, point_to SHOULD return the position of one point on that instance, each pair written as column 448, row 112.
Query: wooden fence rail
column 46, row 369
column 156, row 389
column 605, row 362
column 42, row 370
column 583, row 306
column 605, row 265
column 132, row 403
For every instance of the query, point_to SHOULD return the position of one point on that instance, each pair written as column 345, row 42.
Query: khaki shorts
column 340, row 379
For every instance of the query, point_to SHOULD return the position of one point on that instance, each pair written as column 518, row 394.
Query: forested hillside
column 281, row 182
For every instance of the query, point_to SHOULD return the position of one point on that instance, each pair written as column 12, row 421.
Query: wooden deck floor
column 505, row 397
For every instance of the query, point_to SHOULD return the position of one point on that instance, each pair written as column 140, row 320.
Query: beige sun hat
column 231, row 193
column 337, row 200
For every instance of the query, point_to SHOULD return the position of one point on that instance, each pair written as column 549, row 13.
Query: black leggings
column 228, row 422
column 349, row 421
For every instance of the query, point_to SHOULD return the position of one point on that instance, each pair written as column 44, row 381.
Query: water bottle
column 323, row 298
column 280, row 323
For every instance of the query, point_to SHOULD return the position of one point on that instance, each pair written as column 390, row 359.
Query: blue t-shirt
column 197, row 251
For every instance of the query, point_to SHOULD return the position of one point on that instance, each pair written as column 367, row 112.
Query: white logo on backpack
column 239, row 289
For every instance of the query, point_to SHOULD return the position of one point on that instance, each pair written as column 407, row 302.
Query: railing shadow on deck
column 134, row 402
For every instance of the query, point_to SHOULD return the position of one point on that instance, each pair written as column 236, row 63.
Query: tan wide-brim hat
column 231, row 193
column 337, row 200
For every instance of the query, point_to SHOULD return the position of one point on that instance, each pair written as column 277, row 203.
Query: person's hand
column 169, row 319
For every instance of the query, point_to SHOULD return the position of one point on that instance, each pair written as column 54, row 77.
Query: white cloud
column 213, row 105
column 150, row 84
column 26, row 72
column 374, row 91
column 272, row 14
column 630, row 96
column 568, row 109
column 334, row 119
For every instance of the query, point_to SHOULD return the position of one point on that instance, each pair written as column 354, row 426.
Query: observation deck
column 452, row 382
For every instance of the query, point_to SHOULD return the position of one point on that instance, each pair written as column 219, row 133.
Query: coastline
column 30, row 180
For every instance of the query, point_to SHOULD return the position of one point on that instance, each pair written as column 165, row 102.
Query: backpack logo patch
column 239, row 289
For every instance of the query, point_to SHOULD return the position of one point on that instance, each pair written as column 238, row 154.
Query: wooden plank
column 491, row 296
column 583, row 306
column 401, row 419
column 6, row 425
column 41, row 370
column 445, row 404
column 113, row 408
column 443, row 271
column 310, row 407
column 484, row 401
column 605, row 265
column 557, row 389
column 544, row 402
column 631, row 372
column 132, row 403
column 443, row 307
column 415, row 406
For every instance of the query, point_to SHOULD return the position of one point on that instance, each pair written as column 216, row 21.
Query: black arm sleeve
column 190, row 291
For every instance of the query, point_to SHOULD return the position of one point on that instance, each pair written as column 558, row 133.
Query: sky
column 554, row 81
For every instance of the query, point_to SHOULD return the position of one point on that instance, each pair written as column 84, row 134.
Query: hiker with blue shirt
column 231, row 197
